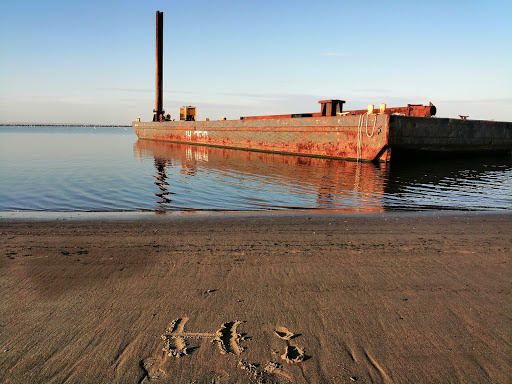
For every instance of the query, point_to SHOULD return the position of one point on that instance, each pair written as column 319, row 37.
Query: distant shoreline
column 64, row 125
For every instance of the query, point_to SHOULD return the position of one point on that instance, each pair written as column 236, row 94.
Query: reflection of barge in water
column 332, row 184
column 356, row 135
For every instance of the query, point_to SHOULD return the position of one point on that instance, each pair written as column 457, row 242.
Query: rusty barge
column 360, row 135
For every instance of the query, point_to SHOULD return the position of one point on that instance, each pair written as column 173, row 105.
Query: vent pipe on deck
column 158, row 112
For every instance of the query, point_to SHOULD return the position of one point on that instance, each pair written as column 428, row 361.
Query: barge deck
column 365, row 137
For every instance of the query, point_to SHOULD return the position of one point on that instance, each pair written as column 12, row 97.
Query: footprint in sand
column 263, row 376
column 284, row 333
column 153, row 368
column 275, row 369
column 292, row 354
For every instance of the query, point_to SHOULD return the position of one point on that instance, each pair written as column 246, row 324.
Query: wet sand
column 301, row 298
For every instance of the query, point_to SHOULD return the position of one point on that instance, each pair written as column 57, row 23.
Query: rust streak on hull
column 331, row 137
column 339, row 137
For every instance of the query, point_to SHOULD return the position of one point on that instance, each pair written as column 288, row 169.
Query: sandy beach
column 267, row 298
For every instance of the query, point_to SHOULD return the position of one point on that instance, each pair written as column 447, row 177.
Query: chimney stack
column 158, row 112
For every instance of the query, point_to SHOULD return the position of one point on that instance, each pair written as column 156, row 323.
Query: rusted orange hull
column 359, row 138
column 340, row 137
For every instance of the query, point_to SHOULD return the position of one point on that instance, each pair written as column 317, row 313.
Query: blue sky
column 93, row 62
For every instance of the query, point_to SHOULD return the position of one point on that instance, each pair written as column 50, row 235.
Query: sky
column 93, row 62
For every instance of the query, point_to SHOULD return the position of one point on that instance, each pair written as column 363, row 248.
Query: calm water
column 108, row 169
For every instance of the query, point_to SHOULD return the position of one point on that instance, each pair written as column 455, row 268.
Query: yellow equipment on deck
column 188, row 113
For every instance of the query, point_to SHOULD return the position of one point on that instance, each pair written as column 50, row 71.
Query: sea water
column 59, row 169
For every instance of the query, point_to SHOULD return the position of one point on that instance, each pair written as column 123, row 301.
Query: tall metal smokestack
column 158, row 112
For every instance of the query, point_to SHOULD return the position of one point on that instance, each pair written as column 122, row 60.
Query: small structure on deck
column 188, row 113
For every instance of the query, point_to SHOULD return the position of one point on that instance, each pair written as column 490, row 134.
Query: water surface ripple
column 108, row 169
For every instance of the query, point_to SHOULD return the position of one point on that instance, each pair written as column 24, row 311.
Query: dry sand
column 301, row 298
